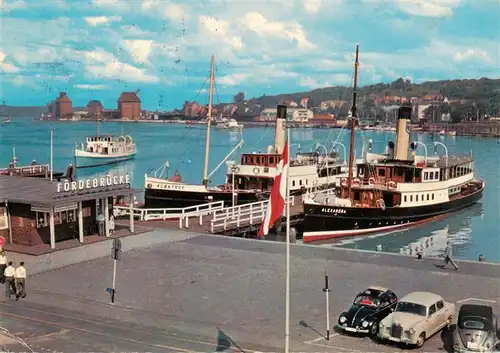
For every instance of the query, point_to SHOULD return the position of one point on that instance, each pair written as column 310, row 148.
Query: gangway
column 182, row 214
column 247, row 216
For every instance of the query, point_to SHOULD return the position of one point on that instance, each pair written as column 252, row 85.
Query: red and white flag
column 276, row 203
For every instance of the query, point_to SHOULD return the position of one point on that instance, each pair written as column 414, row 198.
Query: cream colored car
column 418, row 316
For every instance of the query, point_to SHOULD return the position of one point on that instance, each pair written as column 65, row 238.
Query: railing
column 25, row 170
column 242, row 215
column 182, row 214
column 312, row 194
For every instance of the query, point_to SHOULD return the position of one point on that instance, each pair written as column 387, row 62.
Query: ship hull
column 330, row 222
column 154, row 198
column 95, row 161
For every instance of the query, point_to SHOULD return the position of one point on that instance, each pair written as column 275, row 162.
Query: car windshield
column 474, row 323
column 412, row 308
column 366, row 300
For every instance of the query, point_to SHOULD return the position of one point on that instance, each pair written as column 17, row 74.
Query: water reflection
column 430, row 239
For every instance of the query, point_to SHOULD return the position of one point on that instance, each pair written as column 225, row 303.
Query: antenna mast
column 353, row 122
column 209, row 117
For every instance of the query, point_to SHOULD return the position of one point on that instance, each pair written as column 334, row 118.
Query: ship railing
column 182, row 214
column 313, row 193
column 241, row 215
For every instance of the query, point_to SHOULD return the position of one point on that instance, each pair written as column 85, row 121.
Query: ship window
column 411, row 198
column 436, row 175
column 271, row 160
column 406, row 198
column 293, row 182
column 416, row 197
column 427, row 197
column 300, row 182
column 426, row 176
column 433, row 196
column 307, row 181
column 381, row 172
column 422, row 198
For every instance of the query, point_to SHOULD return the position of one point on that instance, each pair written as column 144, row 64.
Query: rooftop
column 43, row 192
column 129, row 97
column 425, row 298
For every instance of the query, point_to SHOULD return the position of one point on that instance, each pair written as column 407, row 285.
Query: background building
column 129, row 105
column 94, row 108
column 64, row 107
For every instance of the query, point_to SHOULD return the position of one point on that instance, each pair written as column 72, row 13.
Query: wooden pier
column 212, row 218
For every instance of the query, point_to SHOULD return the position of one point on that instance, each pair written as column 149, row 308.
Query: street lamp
column 233, row 192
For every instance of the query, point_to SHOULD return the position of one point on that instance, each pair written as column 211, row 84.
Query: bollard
column 379, row 247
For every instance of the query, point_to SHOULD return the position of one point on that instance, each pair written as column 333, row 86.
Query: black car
column 368, row 309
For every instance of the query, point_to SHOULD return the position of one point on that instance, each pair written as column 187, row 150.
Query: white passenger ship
column 392, row 191
column 104, row 149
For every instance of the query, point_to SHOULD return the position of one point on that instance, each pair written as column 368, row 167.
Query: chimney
column 402, row 134
column 279, row 134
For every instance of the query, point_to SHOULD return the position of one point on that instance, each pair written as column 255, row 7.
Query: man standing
column 20, row 281
column 3, row 266
column 448, row 256
column 10, row 285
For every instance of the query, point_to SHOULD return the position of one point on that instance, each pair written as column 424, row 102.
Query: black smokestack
column 281, row 112
column 404, row 113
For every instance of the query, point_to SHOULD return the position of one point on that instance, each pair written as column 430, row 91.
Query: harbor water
column 473, row 231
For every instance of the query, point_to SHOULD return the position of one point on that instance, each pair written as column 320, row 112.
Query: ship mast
column 98, row 118
column 209, row 117
column 353, row 122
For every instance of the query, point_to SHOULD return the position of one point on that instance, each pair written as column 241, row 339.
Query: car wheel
column 420, row 340
column 374, row 329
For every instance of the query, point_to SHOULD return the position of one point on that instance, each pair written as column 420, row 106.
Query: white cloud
column 311, row 6
column 9, row 5
column 219, row 29
column 173, row 12
column 139, row 49
column 90, row 87
column 233, row 79
column 472, row 54
column 257, row 23
column 100, row 20
column 428, row 8
column 7, row 67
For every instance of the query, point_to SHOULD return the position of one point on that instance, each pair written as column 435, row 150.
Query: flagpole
column 287, row 286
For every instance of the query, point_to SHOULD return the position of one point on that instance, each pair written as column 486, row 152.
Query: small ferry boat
column 104, row 149
column 248, row 181
column 391, row 191
column 230, row 124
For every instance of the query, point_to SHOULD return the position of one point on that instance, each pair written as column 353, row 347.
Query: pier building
column 129, row 105
column 37, row 211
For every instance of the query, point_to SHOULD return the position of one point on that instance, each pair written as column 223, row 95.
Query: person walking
column 3, row 266
column 448, row 256
column 10, row 284
column 20, row 276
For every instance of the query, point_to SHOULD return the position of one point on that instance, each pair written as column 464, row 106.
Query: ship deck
column 179, row 293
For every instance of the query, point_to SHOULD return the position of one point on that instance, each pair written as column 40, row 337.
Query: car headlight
column 411, row 331
column 342, row 319
column 364, row 324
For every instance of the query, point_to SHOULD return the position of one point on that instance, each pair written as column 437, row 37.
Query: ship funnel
column 390, row 149
column 402, row 135
column 279, row 137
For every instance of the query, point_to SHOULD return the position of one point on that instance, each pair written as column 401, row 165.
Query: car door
column 441, row 314
column 432, row 322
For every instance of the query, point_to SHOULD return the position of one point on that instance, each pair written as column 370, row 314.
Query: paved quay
column 174, row 296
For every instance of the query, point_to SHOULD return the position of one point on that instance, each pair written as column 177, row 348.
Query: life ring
column 356, row 182
column 371, row 181
column 343, row 182
column 149, row 186
column 392, row 185
column 256, row 170
column 381, row 204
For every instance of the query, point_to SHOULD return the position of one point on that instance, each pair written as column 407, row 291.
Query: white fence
column 182, row 214
column 236, row 216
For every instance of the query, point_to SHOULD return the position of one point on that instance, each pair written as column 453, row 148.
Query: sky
column 96, row 49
